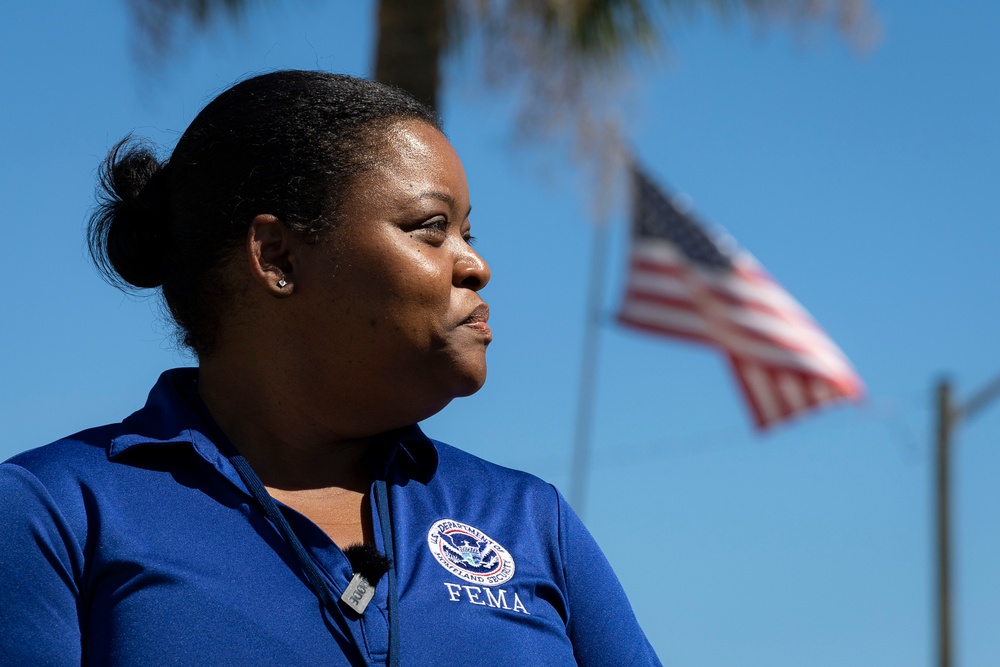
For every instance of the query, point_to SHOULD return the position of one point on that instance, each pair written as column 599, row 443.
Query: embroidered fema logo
column 469, row 553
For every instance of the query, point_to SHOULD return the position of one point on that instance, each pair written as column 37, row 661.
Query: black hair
column 289, row 143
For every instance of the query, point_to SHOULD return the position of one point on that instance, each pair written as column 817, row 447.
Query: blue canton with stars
column 655, row 216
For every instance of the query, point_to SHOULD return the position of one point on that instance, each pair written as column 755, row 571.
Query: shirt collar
column 402, row 454
column 169, row 419
column 165, row 419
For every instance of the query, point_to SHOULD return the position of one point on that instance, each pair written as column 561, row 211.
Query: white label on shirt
column 358, row 594
column 485, row 597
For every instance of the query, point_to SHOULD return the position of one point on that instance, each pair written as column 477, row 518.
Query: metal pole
column 949, row 414
column 943, row 475
column 588, row 372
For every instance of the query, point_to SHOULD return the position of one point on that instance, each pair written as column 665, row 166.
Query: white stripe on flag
column 791, row 391
column 760, row 387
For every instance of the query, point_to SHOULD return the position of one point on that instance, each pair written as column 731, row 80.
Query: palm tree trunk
column 408, row 51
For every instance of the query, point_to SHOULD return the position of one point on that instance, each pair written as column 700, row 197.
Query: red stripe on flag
column 764, row 307
column 777, row 394
column 770, row 339
column 662, row 300
column 650, row 266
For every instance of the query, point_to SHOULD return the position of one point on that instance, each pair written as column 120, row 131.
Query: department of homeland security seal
column 469, row 553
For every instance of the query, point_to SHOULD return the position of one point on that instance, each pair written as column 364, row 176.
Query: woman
column 277, row 505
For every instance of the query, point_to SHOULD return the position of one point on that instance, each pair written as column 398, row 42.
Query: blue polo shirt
column 137, row 544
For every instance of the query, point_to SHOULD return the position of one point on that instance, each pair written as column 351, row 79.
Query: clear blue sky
column 866, row 184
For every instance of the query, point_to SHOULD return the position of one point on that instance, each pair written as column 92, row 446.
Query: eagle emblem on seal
column 469, row 553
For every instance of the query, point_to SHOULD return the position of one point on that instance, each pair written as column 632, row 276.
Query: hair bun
column 127, row 233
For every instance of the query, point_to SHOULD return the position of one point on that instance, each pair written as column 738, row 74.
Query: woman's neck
column 284, row 444
column 325, row 478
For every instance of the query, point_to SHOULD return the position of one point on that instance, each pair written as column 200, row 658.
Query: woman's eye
column 436, row 224
column 469, row 238
column 432, row 231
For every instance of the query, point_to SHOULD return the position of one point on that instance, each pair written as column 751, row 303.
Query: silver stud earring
column 282, row 283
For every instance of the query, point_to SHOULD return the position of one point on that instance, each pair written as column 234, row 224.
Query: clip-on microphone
column 368, row 565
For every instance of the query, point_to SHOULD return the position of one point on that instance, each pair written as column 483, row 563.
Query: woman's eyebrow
column 434, row 194
column 440, row 196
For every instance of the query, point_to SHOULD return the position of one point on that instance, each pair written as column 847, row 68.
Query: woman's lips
column 477, row 320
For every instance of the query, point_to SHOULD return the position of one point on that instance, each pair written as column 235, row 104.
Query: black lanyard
column 382, row 500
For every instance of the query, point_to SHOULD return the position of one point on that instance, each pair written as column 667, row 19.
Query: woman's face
column 391, row 294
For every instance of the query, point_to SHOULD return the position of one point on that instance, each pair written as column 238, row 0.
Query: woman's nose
column 471, row 271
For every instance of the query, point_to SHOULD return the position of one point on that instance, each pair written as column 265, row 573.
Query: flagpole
column 942, row 474
column 949, row 415
column 582, row 432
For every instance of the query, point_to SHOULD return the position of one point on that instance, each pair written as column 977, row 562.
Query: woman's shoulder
column 57, row 475
column 468, row 474
column 45, row 490
column 460, row 462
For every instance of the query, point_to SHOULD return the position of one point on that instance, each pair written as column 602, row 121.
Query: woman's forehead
column 417, row 161
column 414, row 138
column 414, row 142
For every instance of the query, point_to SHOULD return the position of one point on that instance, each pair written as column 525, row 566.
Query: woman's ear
column 271, row 255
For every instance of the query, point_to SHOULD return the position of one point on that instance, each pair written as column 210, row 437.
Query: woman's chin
column 473, row 381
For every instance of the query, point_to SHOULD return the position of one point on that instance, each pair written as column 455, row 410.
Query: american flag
column 687, row 283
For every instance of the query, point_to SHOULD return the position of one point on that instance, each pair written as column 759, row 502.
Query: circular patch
column 469, row 553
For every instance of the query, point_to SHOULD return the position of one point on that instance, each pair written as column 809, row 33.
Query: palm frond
column 156, row 21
